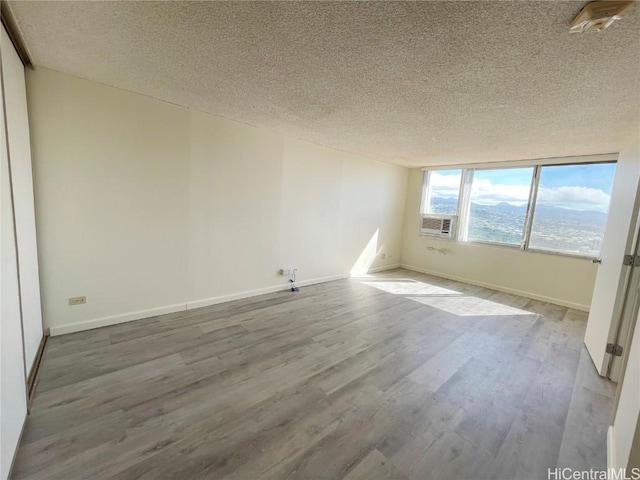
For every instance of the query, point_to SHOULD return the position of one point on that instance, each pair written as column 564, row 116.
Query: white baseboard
column 500, row 288
column 152, row 312
column 206, row 302
column 260, row 291
column 611, row 451
column 115, row 319
column 314, row 281
column 383, row 268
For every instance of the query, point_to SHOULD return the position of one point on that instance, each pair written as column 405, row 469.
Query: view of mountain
column 556, row 229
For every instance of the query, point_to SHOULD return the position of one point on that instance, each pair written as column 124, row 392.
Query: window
column 550, row 208
column 571, row 208
column 499, row 200
column 442, row 192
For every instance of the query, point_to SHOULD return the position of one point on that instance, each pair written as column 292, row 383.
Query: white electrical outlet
column 77, row 300
column 287, row 270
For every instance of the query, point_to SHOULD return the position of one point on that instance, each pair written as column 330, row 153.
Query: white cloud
column 485, row 192
column 444, row 185
column 574, row 198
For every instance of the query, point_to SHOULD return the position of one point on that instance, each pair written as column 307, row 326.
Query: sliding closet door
column 15, row 95
column 13, row 396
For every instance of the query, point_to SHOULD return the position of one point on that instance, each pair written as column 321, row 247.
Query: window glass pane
column 443, row 192
column 571, row 208
column 499, row 199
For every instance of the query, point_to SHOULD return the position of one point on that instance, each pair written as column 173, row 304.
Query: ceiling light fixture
column 599, row 15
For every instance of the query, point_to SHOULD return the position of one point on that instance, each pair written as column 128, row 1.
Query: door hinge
column 615, row 350
column 631, row 260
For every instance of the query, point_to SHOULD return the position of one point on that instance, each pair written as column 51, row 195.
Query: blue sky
column 575, row 187
column 507, row 176
column 598, row 176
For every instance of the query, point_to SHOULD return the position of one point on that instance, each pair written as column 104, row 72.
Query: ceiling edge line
column 572, row 159
column 15, row 34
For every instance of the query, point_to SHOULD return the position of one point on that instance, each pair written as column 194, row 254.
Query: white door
column 17, row 130
column 613, row 276
column 13, row 393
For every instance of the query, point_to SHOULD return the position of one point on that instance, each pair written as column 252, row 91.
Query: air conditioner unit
column 442, row 226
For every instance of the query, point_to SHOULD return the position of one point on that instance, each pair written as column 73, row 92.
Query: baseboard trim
column 611, row 451
column 115, row 319
column 500, row 288
column 381, row 269
column 206, row 302
column 34, row 373
column 315, row 281
column 152, row 312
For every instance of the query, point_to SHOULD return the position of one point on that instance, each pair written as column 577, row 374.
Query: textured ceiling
column 413, row 83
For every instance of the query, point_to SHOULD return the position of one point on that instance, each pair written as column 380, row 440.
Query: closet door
column 15, row 95
column 13, row 395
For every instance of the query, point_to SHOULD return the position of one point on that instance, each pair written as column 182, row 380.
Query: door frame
column 624, row 323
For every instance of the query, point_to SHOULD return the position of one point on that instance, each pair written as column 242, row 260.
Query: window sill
column 512, row 248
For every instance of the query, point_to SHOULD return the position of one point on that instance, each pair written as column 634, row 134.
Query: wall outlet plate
column 77, row 300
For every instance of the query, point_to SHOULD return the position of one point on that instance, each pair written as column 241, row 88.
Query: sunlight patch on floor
column 446, row 299
column 412, row 288
column 469, row 306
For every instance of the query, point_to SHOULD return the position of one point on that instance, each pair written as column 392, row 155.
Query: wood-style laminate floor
column 397, row 375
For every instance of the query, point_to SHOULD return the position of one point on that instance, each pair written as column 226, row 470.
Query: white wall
column 557, row 279
column 311, row 201
column 145, row 207
column 22, row 183
column 111, row 177
column 363, row 204
column 235, row 177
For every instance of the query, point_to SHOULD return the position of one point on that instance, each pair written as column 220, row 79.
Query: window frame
column 426, row 195
column 464, row 199
column 465, row 220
